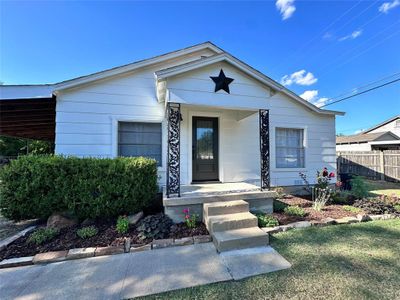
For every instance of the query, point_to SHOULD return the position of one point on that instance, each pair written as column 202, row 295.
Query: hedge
column 37, row 186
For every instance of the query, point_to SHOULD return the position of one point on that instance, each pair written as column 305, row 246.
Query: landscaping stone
column 88, row 222
column 286, row 227
column 301, row 224
column 133, row 219
column 49, row 257
column 363, row 218
column 342, row 221
column 81, row 253
column 272, row 230
column 16, row 262
column 138, row 248
column 328, row 221
column 127, row 245
column 198, row 239
column 110, row 250
column 4, row 243
column 318, row 223
column 59, row 221
column 183, row 241
column 164, row 243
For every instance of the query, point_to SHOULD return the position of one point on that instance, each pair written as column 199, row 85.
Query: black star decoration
column 221, row 82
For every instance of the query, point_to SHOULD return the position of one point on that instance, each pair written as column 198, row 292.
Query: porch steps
column 232, row 226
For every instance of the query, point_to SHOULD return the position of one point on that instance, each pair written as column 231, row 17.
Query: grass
column 357, row 261
column 383, row 187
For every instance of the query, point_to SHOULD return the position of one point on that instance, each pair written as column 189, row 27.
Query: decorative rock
column 49, row 257
column 272, row 230
column 133, row 219
column 87, row 222
column 286, row 227
column 363, row 218
column 127, row 245
column 183, row 241
column 376, row 217
column 138, row 248
column 81, row 253
column 198, row 239
column 16, row 262
column 351, row 220
column 4, row 243
column 300, row 224
column 342, row 221
column 110, row 250
column 164, row 243
column 318, row 223
column 59, row 221
column 328, row 221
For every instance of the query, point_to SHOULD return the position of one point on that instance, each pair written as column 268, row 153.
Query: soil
column 106, row 236
column 332, row 211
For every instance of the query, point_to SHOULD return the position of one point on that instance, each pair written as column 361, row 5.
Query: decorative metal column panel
column 173, row 149
column 264, row 148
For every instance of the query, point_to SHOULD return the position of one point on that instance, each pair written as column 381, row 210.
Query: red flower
column 325, row 172
column 331, row 175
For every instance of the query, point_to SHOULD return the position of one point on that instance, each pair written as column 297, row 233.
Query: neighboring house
column 384, row 136
column 203, row 114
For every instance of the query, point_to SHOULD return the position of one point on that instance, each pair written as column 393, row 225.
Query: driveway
column 136, row 274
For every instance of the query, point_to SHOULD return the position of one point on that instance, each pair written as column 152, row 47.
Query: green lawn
column 358, row 261
column 383, row 187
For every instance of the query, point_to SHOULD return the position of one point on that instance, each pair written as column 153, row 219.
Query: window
column 289, row 148
column 140, row 139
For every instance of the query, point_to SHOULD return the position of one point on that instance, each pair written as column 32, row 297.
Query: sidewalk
column 136, row 274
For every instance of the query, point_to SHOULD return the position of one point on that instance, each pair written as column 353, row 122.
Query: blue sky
column 319, row 49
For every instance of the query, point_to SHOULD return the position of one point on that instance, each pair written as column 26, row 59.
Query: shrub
column 358, row 187
column 87, row 232
column 397, row 208
column 279, row 206
column 42, row 235
column 122, row 225
column 37, row 186
column 342, row 198
column 154, row 227
column 351, row 209
column 265, row 220
column 295, row 211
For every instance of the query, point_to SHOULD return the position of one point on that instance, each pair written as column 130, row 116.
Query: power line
column 363, row 92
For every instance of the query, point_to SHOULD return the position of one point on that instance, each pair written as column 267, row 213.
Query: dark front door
column 205, row 149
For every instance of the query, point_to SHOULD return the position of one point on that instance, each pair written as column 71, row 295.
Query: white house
column 203, row 114
column 384, row 136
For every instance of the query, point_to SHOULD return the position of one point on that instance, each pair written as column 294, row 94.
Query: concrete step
column 240, row 239
column 223, row 208
column 230, row 221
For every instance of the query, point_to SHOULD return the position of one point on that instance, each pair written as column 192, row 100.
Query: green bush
column 351, row 209
column 265, row 220
column 42, row 235
column 295, row 211
column 87, row 232
column 397, row 208
column 122, row 225
column 358, row 187
column 279, row 206
column 37, row 186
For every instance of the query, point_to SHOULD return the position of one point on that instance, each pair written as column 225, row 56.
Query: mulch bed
column 332, row 211
column 106, row 236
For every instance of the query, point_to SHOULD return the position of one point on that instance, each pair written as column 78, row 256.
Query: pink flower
column 187, row 217
column 186, row 211
column 331, row 175
column 338, row 183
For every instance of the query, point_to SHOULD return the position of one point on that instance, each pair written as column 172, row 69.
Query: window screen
column 289, row 148
column 140, row 139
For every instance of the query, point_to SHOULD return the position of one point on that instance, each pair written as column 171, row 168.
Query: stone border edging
column 4, row 243
column 78, row 253
column 327, row 221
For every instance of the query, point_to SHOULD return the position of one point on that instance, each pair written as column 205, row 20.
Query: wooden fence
column 376, row 165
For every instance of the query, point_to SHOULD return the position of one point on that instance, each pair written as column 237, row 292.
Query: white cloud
column 385, row 7
column 300, row 77
column 312, row 97
column 352, row 36
column 286, row 8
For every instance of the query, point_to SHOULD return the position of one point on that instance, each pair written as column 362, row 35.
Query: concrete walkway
column 136, row 274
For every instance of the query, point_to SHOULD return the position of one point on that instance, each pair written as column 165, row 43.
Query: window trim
column 274, row 167
column 114, row 134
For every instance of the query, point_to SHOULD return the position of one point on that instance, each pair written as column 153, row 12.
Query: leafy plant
column 190, row 220
column 358, row 187
column 351, row 209
column 279, row 206
column 280, row 192
column 42, row 235
column 342, row 198
column 87, row 232
column 374, row 206
column 122, row 225
column 397, row 208
column 295, row 211
column 37, row 186
column 320, row 197
column 154, row 227
column 265, row 220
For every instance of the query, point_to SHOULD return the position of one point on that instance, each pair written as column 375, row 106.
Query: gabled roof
column 255, row 74
column 383, row 123
column 365, row 137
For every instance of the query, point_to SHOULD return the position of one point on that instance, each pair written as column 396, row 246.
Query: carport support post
column 264, row 148
column 173, row 149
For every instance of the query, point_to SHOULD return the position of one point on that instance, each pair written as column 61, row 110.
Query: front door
column 205, row 149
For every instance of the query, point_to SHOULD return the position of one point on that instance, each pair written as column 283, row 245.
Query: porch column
column 173, row 149
column 264, row 148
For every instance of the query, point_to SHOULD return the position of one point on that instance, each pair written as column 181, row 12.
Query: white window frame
column 114, row 134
